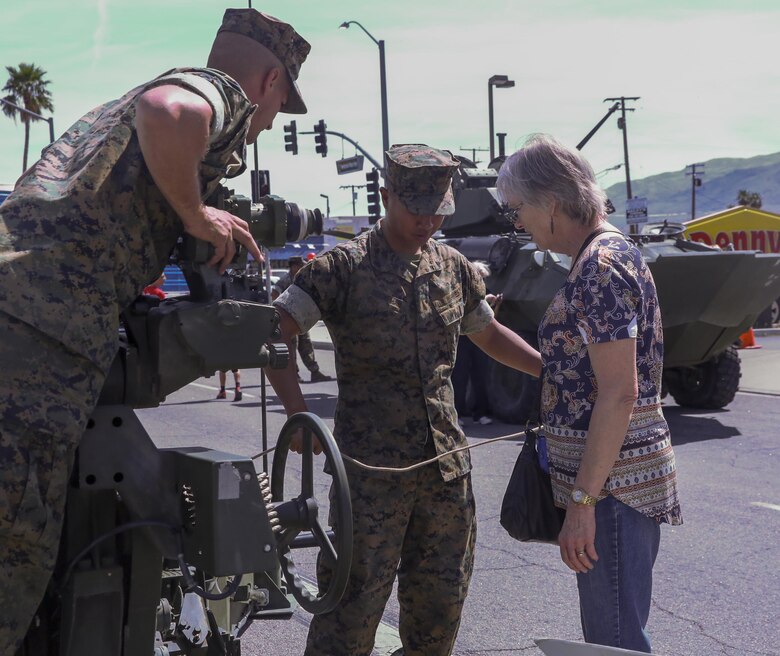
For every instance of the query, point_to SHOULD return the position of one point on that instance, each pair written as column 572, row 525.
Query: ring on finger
column 580, row 553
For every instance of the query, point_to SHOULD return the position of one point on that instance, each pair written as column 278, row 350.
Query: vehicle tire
column 710, row 385
column 774, row 311
column 766, row 319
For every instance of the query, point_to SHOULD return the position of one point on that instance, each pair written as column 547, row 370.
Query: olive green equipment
column 178, row 550
column 708, row 296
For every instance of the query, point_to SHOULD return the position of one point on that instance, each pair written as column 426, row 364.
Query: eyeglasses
column 508, row 213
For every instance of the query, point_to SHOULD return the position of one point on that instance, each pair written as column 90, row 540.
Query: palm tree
column 749, row 198
column 26, row 87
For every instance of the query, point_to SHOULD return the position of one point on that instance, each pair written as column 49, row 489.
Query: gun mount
column 701, row 291
column 178, row 550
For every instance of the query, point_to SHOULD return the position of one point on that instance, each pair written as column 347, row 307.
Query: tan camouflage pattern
column 46, row 396
column 86, row 228
column 421, row 176
column 301, row 343
column 430, row 528
column 81, row 235
column 289, row 47
column 395, row 337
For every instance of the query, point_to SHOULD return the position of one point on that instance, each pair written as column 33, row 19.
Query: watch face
column 577, row 496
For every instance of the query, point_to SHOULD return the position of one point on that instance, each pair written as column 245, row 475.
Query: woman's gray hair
column 544, row 169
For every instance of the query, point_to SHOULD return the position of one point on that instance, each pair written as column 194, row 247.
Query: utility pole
column 501, row 136
column 695, row 182
column 622, row 126
column 474, row 152
column 354, row 194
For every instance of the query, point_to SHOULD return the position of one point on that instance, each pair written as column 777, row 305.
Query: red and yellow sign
column 744, row 228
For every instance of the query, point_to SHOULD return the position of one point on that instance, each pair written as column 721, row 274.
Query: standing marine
column 395, row 302
column 86, row 228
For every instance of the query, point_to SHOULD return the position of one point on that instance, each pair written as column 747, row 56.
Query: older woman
column 608, row 447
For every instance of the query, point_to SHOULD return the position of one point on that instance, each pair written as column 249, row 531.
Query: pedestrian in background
column 608, row 445
column 395, row 302
column 222, row 394
column 302, row 343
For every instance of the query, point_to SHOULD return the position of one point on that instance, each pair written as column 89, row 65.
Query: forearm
column 285, row 381
column 508, row 348
column 606, row 434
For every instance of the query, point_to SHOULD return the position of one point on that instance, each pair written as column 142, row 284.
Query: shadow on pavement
column 322, row 405
column 691, row 425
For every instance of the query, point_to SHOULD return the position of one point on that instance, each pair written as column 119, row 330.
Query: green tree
column 749, row 198
column 26, row 87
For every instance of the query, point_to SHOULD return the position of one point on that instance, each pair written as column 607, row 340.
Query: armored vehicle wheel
column 300, row 514
column 710, row 385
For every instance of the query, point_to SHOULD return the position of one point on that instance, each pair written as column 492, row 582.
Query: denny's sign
column 742, row 228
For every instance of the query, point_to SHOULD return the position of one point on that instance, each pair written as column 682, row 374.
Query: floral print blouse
column 609, row 295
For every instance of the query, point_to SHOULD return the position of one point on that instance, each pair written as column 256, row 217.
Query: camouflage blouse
column 86, row 228
column 609, row 295
column 395, row 333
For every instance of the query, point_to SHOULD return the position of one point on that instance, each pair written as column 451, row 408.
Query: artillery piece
column 178, row 550
column 708, row 296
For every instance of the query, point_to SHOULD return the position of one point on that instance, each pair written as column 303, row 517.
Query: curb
column 766, row 332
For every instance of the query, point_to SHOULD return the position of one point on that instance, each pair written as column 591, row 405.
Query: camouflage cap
column 421, row 176
column 280, row 38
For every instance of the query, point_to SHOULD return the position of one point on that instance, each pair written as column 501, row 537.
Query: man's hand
column 296, row 444
column 221, row 229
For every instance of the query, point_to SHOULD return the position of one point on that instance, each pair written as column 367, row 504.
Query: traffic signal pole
column 376, row 164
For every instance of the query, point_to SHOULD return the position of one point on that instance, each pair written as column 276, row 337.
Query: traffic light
column 320, row 138
column 291, row 138
column 261, row 184
column 372, row 195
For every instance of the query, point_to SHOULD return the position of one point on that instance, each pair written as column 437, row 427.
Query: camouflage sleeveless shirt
column 86, row 228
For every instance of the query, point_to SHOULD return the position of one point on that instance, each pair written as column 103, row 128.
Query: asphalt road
column 717, row 579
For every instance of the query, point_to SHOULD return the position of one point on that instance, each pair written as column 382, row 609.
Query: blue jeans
column 615, row 594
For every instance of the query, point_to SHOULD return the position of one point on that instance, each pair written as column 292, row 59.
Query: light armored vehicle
column 708, row 296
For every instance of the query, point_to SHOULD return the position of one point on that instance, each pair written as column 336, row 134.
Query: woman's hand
column 577, row 538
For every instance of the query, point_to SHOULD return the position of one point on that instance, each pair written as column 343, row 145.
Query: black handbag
column 528, row 512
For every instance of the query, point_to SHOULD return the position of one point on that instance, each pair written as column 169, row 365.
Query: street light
column 382, row 81
column 500, row 82
column 327, row 204
column 49, row 120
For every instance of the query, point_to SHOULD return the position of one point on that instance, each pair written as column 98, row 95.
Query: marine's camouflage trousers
column 46, row 396
column 420, row 528
column 302, row 343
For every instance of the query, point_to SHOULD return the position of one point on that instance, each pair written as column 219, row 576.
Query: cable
column 113, row 532
column 418, row 465
column 192, row 586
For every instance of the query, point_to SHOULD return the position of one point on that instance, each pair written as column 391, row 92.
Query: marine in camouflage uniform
column 302, row 343
column 395, row 309
column 84, row 231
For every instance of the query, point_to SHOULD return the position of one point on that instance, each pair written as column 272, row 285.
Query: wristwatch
column 581, row 497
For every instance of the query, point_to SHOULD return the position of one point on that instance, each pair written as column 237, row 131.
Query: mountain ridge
column 669, row 194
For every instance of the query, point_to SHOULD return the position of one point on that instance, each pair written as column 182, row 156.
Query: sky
column 706, row 72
